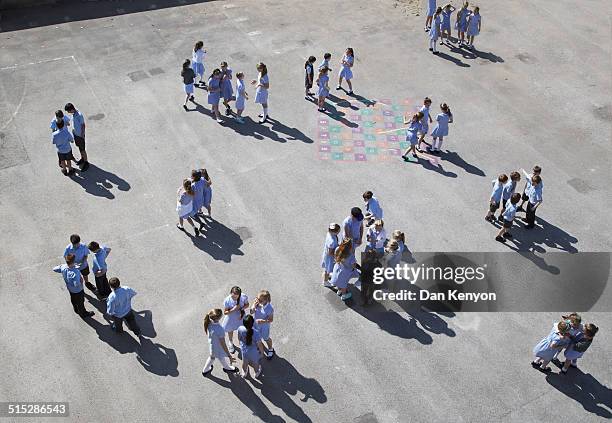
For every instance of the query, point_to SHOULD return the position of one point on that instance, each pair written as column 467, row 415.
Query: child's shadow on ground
column 457, row 160
column 219, row 241
column 585, row 389
column 99, row 182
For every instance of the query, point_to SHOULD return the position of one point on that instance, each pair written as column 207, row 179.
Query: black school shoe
column 209, row 371
column 231, row 372
column 85, row 166
column 500, row 239
column 508, row 235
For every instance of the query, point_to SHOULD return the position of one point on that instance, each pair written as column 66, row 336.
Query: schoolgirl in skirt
column 241, row 97
column 261, row 93
column 346, row 71
column 250, row 346
column 546, row 348
column 234, row 308
column 441, row 129
column 227, row 91
column 474, row 25
column 188, row 78
column 184, row 206
column 216, row 343
column 329, row 249
column 461, row 22
column 214, row 92
column 323, row 90
column 197, row 61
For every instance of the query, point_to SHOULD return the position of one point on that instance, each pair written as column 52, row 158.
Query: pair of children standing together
column 220, row 86
column 192, row 196
column 253, row 332
column 418, row 126
column 322, row 79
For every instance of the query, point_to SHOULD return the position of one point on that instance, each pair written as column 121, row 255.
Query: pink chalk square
column 355, row 117
column 347, row 149
column 394, row 151
column 360, row 157
column 385, row 101
column 324, row 156
column 392, row 138
column 359, row 143
column 323, row 122
column 390, row 125
column 323, row 135
column 379, row 118
column 357, row 130
column 387, row 112
column 382, row 144
column 346, row 136
column 324, row 148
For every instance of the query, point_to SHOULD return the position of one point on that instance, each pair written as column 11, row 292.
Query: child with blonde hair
column 263, row 313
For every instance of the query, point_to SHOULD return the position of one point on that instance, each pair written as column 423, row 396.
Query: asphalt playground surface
column 536, row 91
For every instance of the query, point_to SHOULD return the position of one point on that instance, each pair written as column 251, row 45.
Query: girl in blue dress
column 261, row 93
column 414, row 126
column 241, row 97
column 207, row 192
column 184, row 206
column 263, row 313
column 197, row 185
column 250, row 347
column 309, row 76
column 234, row 308
column 431, row 10
column 461, row 23
column 346, row 70
column 474, row 25
column 216, row 343
column 446, row 23
column 579, row 344
column 425, row 121
column 226, row 87
column 329, row 249
column 323, row 84
column 441, row 128
column 434, row 32
column 546, row 348
column 344, row 268
column 214, row 93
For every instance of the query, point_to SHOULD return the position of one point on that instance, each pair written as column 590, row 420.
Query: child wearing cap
column 329, row 248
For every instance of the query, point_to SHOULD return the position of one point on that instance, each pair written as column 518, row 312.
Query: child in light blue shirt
column 496, row 196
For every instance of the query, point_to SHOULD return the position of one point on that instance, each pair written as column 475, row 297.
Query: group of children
column 418, row 126
column 570, row 336
column 252, row 324
column 339, row 261
column 504, row 197
column 220, row 86
column 322, row 78
column 438, row 24
column 62, row 138
column 194, row 195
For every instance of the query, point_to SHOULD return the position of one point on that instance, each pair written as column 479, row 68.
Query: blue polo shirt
column 77, row 123
column 354, row 227
column 496, row 194
column 72, row 277
column 508, row 190
column 119, row 302
column 535, row 194
column 62, row 139
column 373, row 206
column 510, row 211
column 99, row 259
column 80, row 254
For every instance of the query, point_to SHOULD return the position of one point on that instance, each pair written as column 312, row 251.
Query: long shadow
column 219, row 241
column 260, row 131
column 281, row 381
column 243, row 391
column 337, row 115
column 154, row 358
column 453, row 59
column 488, row 56
column 99, row 182
column 457, row 160
column 341, row 102
column 436, row 168
column 52, row 14
column 365, row 101
column 585, row 389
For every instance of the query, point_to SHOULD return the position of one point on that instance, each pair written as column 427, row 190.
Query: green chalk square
column 371, row 150
column 396, row 107
column 334, row 128
column 337, row 156
column 404, row 145
column 367, row 112
column 399, row 119
column 335, row 142
column 369, row 137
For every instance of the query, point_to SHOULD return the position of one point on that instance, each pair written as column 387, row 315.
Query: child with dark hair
column 100, row 268
column 188, row 76
column 309, row 76
column 508, row 191
column 370, row 261
column 496, row 196
column 234, row 307
column 216, row 343
column 507, row 217
column 250, row 346
column 578, row 346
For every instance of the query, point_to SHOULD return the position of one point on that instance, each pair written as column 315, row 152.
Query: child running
column 346, row 71
column 441, row 129
column 309, row 76
column 216, row 344
column 197, row 61
column 263, row 312
column 234, row 307
column 323, row 84
column 241, row 97
column 329, row 249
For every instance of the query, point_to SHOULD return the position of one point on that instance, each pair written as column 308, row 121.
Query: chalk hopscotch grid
column 369, row 140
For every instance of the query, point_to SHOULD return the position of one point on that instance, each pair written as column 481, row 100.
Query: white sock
column 439, row 144
column 265, row 112
column 208, row 364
